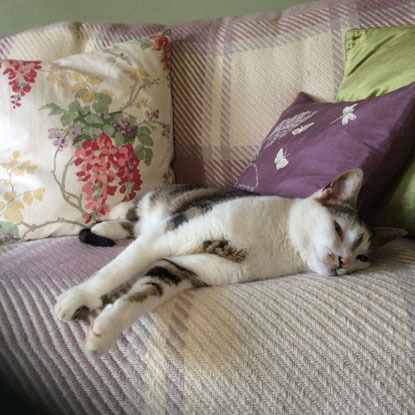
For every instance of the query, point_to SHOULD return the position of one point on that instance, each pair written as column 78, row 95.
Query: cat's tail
column 88, row 237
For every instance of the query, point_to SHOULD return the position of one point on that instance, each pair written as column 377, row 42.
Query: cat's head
column 332, row 238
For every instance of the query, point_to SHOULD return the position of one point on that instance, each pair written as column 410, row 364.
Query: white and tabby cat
column 190, row 237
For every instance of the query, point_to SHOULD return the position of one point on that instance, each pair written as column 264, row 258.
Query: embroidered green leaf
column 118, row 116
column 90, row 131
column 79, row 122
column 146, row 140
column 128, row 140
column 53, row 109
column 148, row 155
column 109, row 130
column 68, row 117
column 85, row 110
column 144, row 130
column 74, row 106
column 144, row 135
column 132, row 120
column 101, row 103
column 144, row 154
column 140, row 152
column 119, row 139
column 94, row 119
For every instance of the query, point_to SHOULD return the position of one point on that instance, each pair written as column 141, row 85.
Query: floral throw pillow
column 81, row 134
column 313, row 142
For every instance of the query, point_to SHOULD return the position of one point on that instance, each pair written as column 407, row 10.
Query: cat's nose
column 344, row 262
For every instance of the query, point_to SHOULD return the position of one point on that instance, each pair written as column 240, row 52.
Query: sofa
column 301, row 344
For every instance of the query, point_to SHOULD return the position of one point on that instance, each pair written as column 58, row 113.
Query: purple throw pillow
column 313, row 142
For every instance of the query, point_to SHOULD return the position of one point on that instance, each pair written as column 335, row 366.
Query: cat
column 189, row 237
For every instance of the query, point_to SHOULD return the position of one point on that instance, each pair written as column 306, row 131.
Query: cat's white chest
column 259, row 227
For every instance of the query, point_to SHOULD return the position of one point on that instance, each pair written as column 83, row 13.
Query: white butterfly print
column 348, row 115
column 301, row 129
column 281, row 159
column 247, row 187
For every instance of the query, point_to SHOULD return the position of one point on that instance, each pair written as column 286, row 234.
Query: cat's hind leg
column 164, row 280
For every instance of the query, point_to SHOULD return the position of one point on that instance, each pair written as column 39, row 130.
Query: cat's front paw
column 75, row 303
column 103, row 332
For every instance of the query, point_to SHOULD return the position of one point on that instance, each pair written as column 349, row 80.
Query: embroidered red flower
column 104, row 167
column 21, row 75
column 161, row 42
column 128, row 172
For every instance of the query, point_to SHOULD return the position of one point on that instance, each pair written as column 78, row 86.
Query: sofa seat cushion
column 297, row 344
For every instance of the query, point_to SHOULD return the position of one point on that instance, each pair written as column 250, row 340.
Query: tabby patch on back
column 187, row 237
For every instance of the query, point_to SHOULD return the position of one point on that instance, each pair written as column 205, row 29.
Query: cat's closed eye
column 338, row 228
column 362, row 258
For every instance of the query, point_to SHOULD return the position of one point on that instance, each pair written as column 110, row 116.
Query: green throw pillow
column 398, row 205
column 378, row 61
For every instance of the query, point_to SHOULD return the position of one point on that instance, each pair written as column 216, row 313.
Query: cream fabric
column 82, row 133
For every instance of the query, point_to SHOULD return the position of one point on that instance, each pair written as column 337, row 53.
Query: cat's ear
column 345, row 187
column 381, row 236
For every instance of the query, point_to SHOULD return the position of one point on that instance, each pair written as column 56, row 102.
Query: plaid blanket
column 298, row 344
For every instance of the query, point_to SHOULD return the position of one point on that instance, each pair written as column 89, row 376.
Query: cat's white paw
column 75, row 300
column 103, row 332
